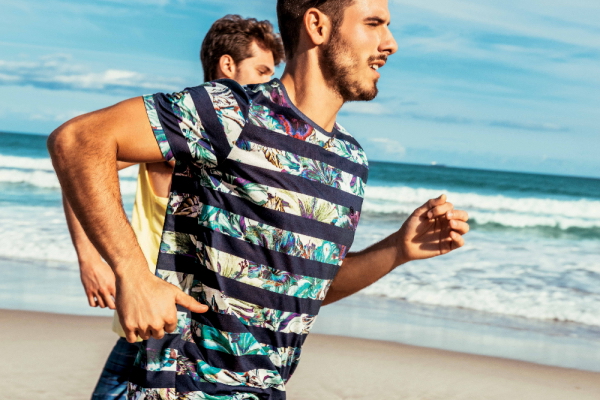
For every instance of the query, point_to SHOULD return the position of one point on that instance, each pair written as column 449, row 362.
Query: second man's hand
column 147, row 306
column 98, row 282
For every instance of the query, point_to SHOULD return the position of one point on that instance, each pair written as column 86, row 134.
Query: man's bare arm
column 84, row 153
column 433, row 229
column 96, row 276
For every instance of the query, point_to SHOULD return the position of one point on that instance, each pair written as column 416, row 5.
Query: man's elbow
column 75, row 141
column 62, row 142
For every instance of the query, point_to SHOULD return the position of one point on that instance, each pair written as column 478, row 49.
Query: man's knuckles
column 443, row 209
column 460, row 215
column 458, row 225
column 129, row 326
column 157, row 325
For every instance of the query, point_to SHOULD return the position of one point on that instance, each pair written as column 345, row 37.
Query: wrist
column 400, row 246
column 132, row 273
column 88, row 262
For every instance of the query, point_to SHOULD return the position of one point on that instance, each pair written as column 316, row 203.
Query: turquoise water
column 491, row 182
column 533, row 252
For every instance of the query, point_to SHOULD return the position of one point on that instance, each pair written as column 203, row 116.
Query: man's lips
column 377, row 62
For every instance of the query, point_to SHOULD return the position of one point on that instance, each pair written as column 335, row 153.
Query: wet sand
column 55, row 356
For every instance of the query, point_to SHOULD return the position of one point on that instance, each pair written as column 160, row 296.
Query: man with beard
column 265, row 200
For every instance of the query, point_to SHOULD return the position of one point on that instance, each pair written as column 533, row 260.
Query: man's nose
column 388, row 44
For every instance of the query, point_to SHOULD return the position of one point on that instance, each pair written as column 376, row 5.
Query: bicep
column 126, row 125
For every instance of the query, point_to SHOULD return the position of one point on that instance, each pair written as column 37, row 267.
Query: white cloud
column 506, row 124
column 142, row 2
column 55, row 116
column 390, row 146
column 567, row 22
column 529, row 126
column 527, row 37
column 59, row 72
column 368, row 108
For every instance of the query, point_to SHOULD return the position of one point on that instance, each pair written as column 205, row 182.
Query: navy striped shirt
column 263, row 209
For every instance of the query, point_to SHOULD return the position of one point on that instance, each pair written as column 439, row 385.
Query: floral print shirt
column 263, row 209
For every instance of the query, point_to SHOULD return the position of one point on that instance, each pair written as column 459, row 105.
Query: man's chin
column 368, row 94
column 357, row 90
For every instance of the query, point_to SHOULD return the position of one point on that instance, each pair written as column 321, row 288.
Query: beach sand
column 54, row 356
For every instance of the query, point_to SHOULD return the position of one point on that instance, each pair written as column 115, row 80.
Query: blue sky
column 506, row 85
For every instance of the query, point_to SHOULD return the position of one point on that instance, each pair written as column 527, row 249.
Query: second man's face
column 256, row 69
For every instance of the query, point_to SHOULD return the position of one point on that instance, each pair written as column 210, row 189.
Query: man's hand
column 147, row 306
column 433, row 229
column 99, row 283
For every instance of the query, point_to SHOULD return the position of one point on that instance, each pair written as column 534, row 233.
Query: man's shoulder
column 224, row 96
column 273, row 91
column 218, row 90
column 341, row 129
column 226, row 89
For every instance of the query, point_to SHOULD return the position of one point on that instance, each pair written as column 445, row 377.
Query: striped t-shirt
column 263, row 209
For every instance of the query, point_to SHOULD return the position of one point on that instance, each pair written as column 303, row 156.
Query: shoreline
column 61, row 356
column 347, row 368
column 566, row 345
column 48, row 287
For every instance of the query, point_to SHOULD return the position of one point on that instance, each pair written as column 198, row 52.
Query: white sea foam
column 40, row 164
column 499, row 209
column 38, row 178
column 532, row 277
column 42, row 178
column 545, row 305
column 536, row 278
column 35, row 233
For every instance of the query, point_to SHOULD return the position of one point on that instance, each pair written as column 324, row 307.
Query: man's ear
column 227, row 67
column 317, row 26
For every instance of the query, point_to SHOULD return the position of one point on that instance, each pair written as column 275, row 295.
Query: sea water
column 532, row 258
column 533, row 251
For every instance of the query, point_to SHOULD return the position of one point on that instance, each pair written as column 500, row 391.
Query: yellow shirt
column 147, row 222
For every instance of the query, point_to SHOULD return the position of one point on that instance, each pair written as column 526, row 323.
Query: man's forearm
column 83, row 247
column 364, row 268
column 86, row 251
column 86, row 166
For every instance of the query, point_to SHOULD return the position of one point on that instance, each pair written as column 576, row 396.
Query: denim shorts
column 113, row 381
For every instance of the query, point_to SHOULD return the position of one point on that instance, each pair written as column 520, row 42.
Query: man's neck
column 308, row 91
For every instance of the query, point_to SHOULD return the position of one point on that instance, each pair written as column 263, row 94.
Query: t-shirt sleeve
column 197, row 125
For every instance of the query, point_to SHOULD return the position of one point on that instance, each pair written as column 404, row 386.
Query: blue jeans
column 113, row 381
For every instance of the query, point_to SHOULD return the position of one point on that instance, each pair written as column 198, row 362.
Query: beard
column 339, row 65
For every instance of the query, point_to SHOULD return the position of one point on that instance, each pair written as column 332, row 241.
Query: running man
column 265, row 199
column 245, row 50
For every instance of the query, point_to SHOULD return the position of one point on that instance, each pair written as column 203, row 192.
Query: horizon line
column 408, row 163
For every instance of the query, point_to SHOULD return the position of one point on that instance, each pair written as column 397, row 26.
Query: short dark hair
column 290, row 15
column 233, row 35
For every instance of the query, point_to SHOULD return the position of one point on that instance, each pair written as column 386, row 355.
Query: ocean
column 531, row 263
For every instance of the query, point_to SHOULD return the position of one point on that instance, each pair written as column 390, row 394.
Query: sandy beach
column 55, row 356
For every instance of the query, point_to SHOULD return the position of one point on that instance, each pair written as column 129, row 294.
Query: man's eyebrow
column 377, row 20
